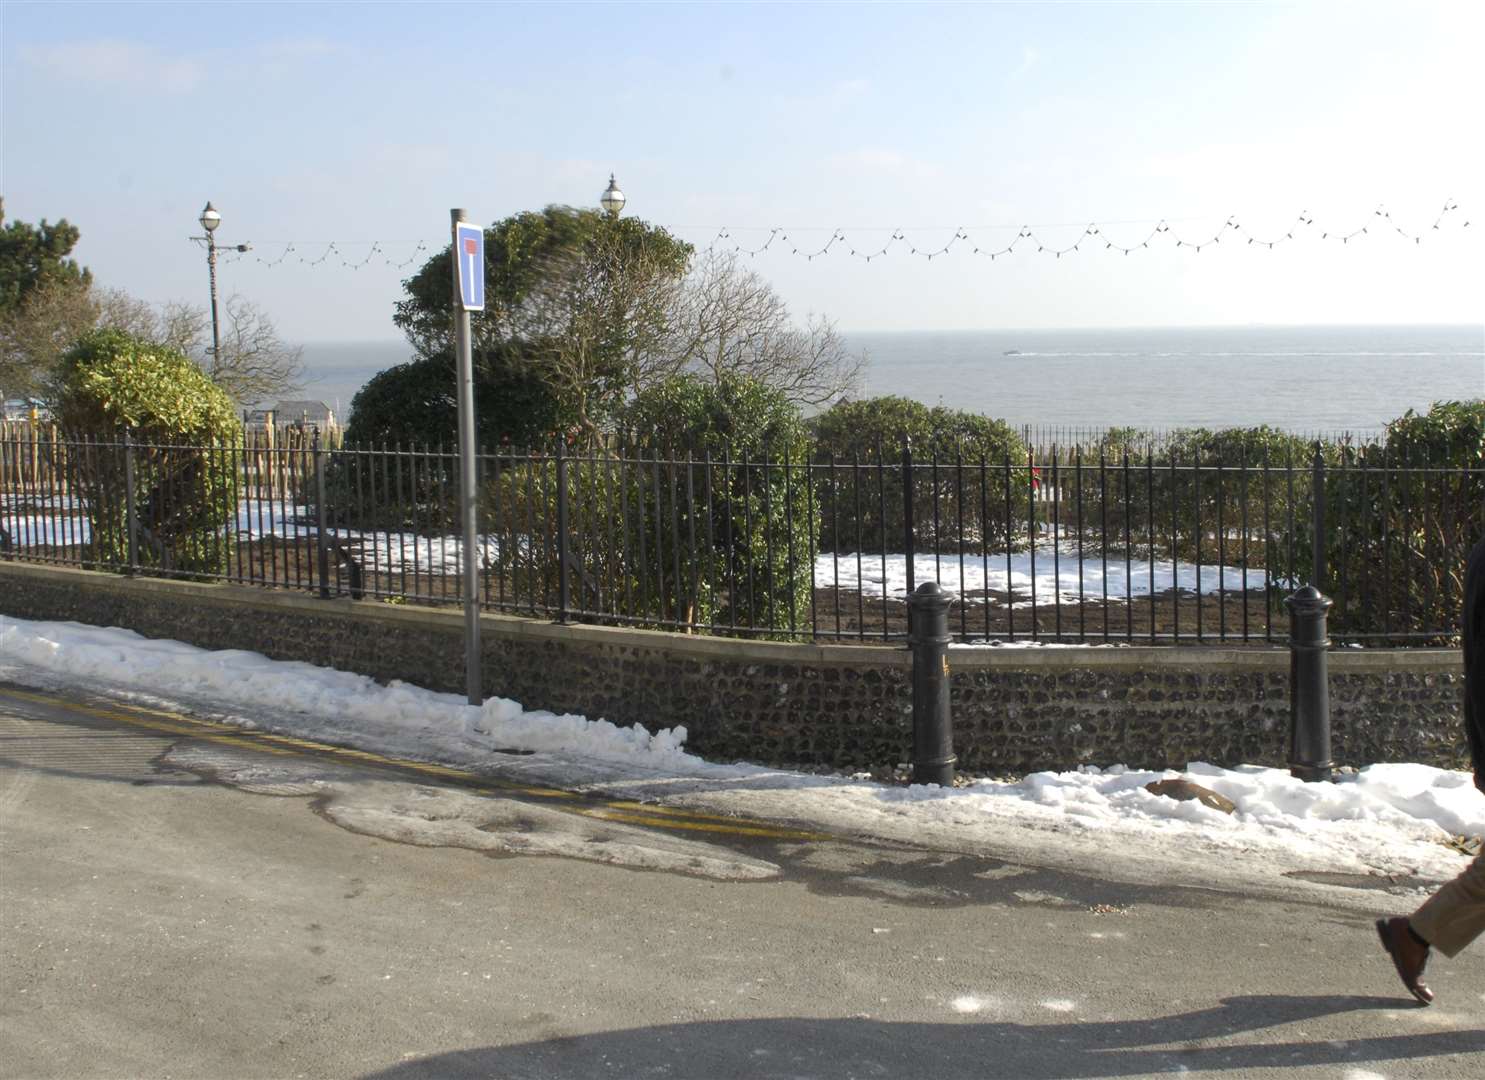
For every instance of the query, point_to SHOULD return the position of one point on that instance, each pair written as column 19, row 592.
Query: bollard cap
column 928, row 615
column 1308, row 600
column 931, row 592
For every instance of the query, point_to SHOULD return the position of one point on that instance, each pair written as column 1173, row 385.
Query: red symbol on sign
column 469, row 245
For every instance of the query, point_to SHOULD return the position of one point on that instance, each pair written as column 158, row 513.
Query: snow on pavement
column 1388, row 819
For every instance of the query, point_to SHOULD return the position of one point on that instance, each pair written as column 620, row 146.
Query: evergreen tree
column 33, row 257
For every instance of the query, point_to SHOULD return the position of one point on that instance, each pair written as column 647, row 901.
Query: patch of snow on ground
column 1048, row 570
column 1385, row 819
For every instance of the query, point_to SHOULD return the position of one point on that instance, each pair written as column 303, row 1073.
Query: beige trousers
column 1455, row 915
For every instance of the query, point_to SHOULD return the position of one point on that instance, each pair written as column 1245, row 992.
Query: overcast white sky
column 359, row 123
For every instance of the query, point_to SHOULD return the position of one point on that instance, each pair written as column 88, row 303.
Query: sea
column 1310, row 379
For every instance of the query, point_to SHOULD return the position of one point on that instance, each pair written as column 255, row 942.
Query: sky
column 312, row 123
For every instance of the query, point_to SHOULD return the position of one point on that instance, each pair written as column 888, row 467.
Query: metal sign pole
column 468, row 493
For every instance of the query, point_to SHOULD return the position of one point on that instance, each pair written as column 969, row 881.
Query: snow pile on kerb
column 348, row 703
column 1384, row 820
column 1412, row 800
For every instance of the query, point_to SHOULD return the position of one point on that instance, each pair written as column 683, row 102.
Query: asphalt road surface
column 181, row 899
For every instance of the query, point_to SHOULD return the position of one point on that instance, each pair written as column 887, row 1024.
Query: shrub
column 413, row 407
column 994, row 500
column 606, row 554
column 416, row 403
column 179, row 422
column 723, row 462
column 1202, row 494
column 1400, row 520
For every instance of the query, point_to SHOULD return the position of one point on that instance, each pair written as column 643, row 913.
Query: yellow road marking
column 249, row 739
column 607, row 813
column 620, row 811
column 651, row 808
column 648, row 809
column 181, row 726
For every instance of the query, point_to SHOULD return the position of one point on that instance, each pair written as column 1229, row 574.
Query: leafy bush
column 414, row 407
column 416, row 403
column 178, row 421
column 1400, row 520
column 519, row 513
column 1198, row 495
column 993, row 501
column 723, row 462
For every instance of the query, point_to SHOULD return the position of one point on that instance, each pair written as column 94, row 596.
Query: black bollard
column 1309, row 687
column 933, row 730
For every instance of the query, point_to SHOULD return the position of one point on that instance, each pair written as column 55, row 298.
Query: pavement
column 180, row 898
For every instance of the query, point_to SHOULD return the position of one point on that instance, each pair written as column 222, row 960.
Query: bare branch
column 727, row 320
column 42, row 327
column 597, row 324
column 254, row 363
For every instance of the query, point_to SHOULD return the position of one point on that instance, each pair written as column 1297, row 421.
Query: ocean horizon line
column 388, row 341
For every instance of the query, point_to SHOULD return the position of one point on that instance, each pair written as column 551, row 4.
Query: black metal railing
column 1042, row 438
column 1079, row 546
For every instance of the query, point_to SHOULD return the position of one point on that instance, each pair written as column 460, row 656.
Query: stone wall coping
column 450, row 621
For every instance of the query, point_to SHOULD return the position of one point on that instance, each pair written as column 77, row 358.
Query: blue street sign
column 469, row 248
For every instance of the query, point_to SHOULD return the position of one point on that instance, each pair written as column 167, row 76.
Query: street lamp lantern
column 209, row 220
column 612, row 198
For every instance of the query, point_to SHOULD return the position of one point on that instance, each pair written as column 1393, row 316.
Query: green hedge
column 747, row 501
column 864, row 510
column 1196, row 495
column 1400, row 520
column 113, row 385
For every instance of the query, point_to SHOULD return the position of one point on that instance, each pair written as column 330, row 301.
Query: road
column 183, row 899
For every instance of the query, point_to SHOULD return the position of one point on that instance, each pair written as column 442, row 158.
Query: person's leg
column 1474, row 659
column 1409, row 954
column 1448, row 920
column 1455, row 915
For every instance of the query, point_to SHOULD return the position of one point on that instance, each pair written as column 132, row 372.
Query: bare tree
column 728, row 320
column 174, row 324
column 35, row 334
column 597, row 324
column 254, row 363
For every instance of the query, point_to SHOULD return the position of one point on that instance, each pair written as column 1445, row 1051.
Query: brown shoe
column 1407, row 956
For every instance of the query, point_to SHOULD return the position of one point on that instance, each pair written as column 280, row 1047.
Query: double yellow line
column 619, row 811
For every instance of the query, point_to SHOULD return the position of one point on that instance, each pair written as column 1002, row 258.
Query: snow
column 63, row 524
column 1386, row 819
column 969, row 1003
column 1054, row 572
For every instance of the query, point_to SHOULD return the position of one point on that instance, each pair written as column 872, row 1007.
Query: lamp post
column 210, row 219
column 612, row 198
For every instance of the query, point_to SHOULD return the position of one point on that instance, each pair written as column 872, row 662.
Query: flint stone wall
column 1015, row 710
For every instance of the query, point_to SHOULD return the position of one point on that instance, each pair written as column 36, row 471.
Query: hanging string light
column 974, row 240
column 335, row 252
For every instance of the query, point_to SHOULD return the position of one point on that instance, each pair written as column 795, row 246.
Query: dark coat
column 1474, row 659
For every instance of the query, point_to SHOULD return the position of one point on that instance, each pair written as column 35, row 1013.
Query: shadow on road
column 837, row 1049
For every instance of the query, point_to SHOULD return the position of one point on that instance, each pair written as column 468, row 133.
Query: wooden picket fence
column 272, row 461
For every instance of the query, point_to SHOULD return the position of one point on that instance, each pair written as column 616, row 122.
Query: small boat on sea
column 1011, row 352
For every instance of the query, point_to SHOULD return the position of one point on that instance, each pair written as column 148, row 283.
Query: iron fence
column 1061, row 547
column 1043, row 439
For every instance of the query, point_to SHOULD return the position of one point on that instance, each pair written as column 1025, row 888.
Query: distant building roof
column 302, row 408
